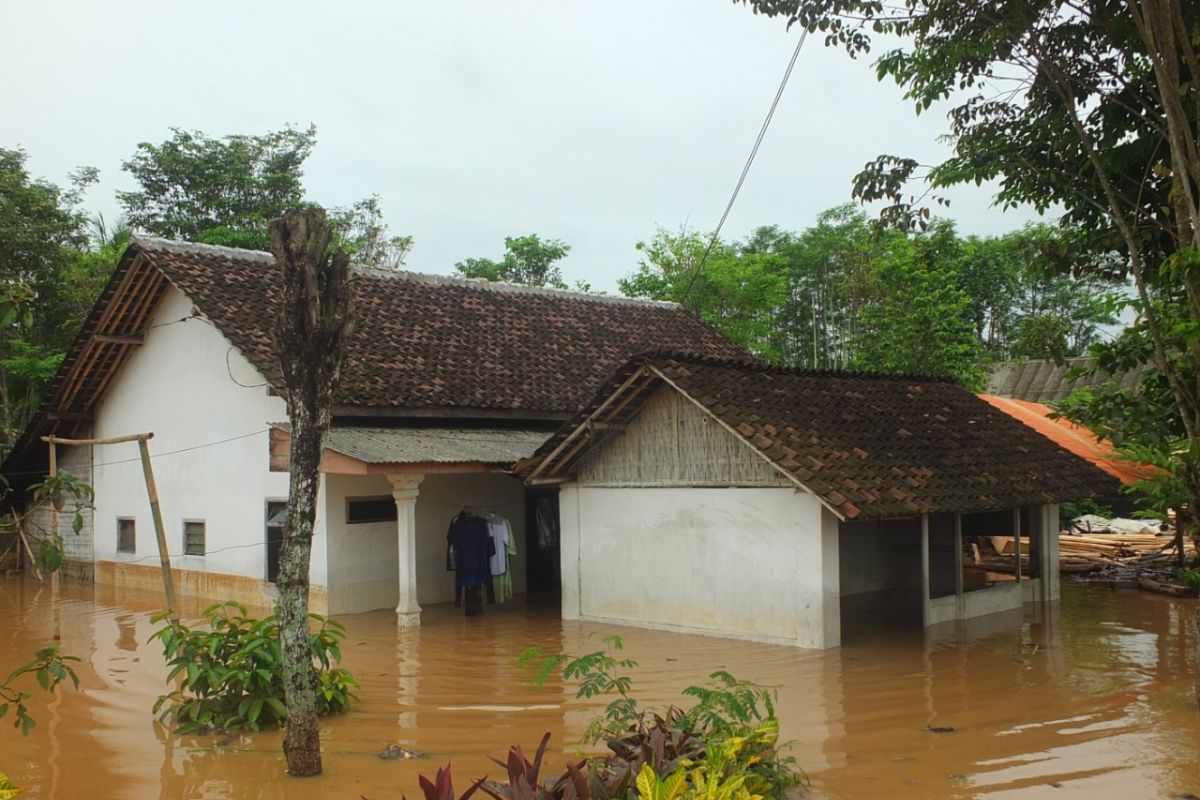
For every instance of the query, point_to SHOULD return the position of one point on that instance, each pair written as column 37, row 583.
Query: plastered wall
column 208, row 409
column 742, row 562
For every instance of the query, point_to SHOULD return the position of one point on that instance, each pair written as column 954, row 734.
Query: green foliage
column 233, row 673
column 1073, row 510
column 598, row 673
column 528, row 260
column 8, row 789
column 49, row 668
column 730, row 734
column 844, row 293
column 217, row 191
column 914, row 318
column 44, row 272
column 1188, row 577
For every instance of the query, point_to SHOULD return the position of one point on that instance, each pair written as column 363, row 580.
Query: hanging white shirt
column 501, row 534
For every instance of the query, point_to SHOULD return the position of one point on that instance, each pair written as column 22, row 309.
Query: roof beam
column 120, row 338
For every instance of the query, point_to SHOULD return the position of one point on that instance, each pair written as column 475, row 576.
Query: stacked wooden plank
column 1111, row 547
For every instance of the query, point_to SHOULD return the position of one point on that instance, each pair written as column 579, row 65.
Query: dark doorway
column 276, row 514
column 542, row 559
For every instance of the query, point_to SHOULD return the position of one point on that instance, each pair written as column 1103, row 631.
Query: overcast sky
column 594, row 123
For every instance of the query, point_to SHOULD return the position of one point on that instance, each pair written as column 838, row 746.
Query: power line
column 787, row 74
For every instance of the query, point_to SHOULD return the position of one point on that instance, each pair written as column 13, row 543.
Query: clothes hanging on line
column 469, row 550
column 505, row 544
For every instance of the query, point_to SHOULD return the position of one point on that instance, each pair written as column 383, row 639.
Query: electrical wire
column 787, row 74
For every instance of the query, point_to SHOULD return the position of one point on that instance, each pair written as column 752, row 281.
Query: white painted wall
column 363, row 568
column 742, row 562
column 183, row 384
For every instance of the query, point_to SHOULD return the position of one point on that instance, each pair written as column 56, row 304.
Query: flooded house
column 446, row 384
column 728, row 498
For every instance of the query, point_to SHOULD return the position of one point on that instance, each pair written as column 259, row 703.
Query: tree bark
column 316, row 313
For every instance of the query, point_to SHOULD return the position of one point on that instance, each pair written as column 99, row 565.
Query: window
column 193, row 538
column 276, row 514
column 126, row 535
column 370, row 509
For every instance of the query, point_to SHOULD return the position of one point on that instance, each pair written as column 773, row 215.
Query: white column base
column 408, row 619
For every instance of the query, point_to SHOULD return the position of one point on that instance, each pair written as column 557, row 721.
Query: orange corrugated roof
column 1076, row 438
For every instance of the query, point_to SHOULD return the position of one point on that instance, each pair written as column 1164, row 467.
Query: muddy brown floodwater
column 1094, row 702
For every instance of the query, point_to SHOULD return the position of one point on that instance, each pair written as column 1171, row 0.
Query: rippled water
column 1093, row 702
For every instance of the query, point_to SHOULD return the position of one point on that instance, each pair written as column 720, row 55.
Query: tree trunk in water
column 315, row 318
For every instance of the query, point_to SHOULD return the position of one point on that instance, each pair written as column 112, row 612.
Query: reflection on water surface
column 1093, row 702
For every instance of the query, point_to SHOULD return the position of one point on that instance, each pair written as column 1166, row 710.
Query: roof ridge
column 750, row 363
column 195, row 248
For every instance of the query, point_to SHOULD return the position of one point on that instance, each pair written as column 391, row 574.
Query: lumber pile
column 1112, row 547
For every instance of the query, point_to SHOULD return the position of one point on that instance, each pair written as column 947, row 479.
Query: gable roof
column 424, row 345
column 868, row 446
column 428, row 341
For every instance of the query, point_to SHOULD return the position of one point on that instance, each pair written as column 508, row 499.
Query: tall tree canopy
column 843, row 293
column 217, row 191
column 529, row 260
column 226, row 191
column 51, row 269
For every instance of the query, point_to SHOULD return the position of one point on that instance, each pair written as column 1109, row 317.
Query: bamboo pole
column 160, row 533
column 133, row 437
column 37, row 571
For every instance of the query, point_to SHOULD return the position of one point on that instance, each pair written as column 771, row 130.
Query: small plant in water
column 233, row 673
column 730, row 734
column 50, row 668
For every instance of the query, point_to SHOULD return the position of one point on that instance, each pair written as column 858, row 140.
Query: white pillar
column 570, row 544
column 404, row 490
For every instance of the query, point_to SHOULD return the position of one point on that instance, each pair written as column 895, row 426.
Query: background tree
column 53, row 270
column 216, row 191
column 316, row 317
column 844, row 293
column 528, row 260
column 735, row 291
column 913, row 315
column 226, row 191
column 1089, row 105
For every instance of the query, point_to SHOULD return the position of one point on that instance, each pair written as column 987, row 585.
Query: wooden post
column 924, row 569
column 958, row 555
column 54, row 543
column 1017, row 542
column 1196, row 645
column 160, row 533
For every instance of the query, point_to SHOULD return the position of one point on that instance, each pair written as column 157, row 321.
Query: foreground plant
column 233, row 672
column 50, row 668
column 730, row 731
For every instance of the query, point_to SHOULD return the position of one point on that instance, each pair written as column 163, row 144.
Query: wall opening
column 880, row 575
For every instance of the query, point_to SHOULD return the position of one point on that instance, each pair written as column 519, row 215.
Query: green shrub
column 232, row 674
column 730, row 734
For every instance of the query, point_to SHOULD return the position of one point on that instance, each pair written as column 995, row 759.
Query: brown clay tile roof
column 870, row 446
column 427, row 341
column 1076, row 438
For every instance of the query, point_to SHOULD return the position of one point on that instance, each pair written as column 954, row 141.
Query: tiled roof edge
column 801, row 372
column 151, row 243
